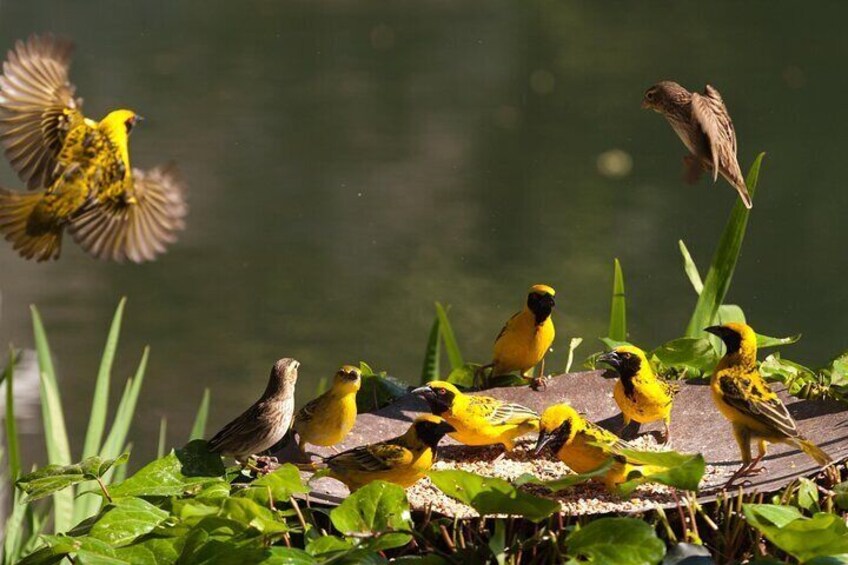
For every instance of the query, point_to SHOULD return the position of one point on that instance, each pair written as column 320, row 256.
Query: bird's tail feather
column 813, row 451
column 30, row 240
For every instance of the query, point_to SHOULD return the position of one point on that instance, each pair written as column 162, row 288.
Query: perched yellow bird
column 478, row 420
column 584, row 446
column 401, row 460
column 641, row 395
column 326, row 420
column 79, row 169
column 527, row 335
column 744, row 398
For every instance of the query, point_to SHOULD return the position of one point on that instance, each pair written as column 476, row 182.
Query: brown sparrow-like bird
column 702, row 123
column 266, row 422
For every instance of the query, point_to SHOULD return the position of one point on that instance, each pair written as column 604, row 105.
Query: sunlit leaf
column 670, row 468
column 690, row 268
column 376, row 508
column 463, row 376
column 432, row 354
column 804, row 538
column 274, row 487
column 198, row 429
column 184, row 470
column 566, row 481
column 377, row 390
column 451, row 346
column 623, row 541
column 53, row 478
column 766, row 341
column 618, row 307
column 125, row 520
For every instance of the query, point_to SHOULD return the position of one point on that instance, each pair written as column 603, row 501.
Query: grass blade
column 117, row 437
column 724, row 261
column 432, row 355
column 55, row 432
column 163, row 434
column 100, row 401
column 451, row 347
column 572, row 346
column 12, row 446
column 618, row 309
column 198, row 430
column 690, row 268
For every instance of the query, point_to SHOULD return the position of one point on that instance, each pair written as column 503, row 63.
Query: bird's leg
column 666, row 433
column 540, row 382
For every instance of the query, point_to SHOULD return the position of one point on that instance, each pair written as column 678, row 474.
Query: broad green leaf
column 52, row 478
column 287, row 556
column 679, row 470
column 432, row 354
column 793, row 375
column 766, row 341
column 464, row 377
column 451, row 347
column 728, row 313
column 275, row 487
column 618, row 307
column 198, row 429
column 13, row 452
column 687, row 353
column 623, row 541
column 807, row 495
column 327, row 545
column 804, row 538
column 724, row 261
column 566, row 481
column 65, row 545
column 841, row 496
column 152, row 551
column 55, row 432
column 489, row 495
column 186, row 470
column 126, row 520
column 377, row 390
column 376, row 508
column 690, row 268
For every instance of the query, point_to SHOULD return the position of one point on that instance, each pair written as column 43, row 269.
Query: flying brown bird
column 702, row 123
column 266, row 422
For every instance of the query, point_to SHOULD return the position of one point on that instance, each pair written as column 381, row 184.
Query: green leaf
column 432, row 354
column 724, row 261
column 690, row 268
column 841, row 496
column 804, row 538
column 807, row 495
column 728, row 313
column 377, row 390
column 117, row 438
column 766, row 341
column 623, row 541
column 198, row 429
column 55, row 432
column 464, row 376
column 288, row 556
column 489, row 495
column 687, row 353
column 376, row 508
column 163, row 435
column 618, row 308
column 566, row 481
column 451, row 347
column 12, row 447
column 52, row 478
column 152, row 551
column 670, row 468
column 275, row 487
column 792, row 374
column 89, row 547
column 186, row 470
column 126, row 520
column 328, row 545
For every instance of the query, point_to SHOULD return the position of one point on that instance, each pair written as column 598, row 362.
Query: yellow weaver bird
column 326, row 420
column 641, row 395
column 401, row 460
column 744, row 398
column 526, row 337
column 78, row 169
column 584, row 446
column 478, row 420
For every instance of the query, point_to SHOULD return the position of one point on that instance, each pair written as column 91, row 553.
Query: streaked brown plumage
column 703, row 124
column 78, row 169
column 266, row 422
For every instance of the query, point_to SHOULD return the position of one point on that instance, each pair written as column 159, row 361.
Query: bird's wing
column 752, row 397
column 306, row 413
column 377, row 457
column 37, row 107
column 139, row 226
column 238, row 433
column 497, row 412
column 506, row 325
column 605, row 437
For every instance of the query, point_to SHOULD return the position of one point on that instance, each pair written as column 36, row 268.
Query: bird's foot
column 746, row 470
column 539, row 383
column 264, row 464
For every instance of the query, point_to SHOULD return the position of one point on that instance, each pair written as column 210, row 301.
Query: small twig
column 300, row 517
column 104, row 489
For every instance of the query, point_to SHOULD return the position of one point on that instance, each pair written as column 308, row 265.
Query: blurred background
column 351, row 163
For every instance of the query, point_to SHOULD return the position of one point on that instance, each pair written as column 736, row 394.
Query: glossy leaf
column 125, row 520
column 52, row 478
column 623, row 541
column 377, row 390
column 618, row 307
column 687, row 353
column 489, row 495
column 766, row 341
column 567, row 481
column 463, row 377
column 375, row 509
column 275, row 487
column 670, row 468
column 184, row 470
column 804, row 538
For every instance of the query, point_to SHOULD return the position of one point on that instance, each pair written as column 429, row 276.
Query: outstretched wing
column 498, row 413
column 37, row 107
column 139, row 226
column 752, row 397
column 372, row 458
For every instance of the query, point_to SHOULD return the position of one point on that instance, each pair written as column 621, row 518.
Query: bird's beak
column 645, row 104
column 424, row 392
column 544, row 439
column 445, row 428
column 138, row 118
column 611, row 358
column 715, row 330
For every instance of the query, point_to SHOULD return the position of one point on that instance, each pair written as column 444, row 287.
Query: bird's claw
column 539, row 383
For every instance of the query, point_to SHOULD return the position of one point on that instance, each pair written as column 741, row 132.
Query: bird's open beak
column 611, row 358
column 544, row 439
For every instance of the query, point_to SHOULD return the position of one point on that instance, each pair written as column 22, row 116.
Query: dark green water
column 351, row 163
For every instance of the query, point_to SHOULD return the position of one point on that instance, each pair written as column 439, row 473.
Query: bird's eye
column 441, row 391
column 650, row 95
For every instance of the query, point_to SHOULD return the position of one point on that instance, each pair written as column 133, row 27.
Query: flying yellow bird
column 584, row 446
column 526, row 337
column 401, row 460
column 78, row 169
column 744, row 398
column 640, row 394
column 326, row 420
column 478, row 420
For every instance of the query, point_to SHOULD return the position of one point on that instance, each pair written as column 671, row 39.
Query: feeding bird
column 77, row 169
column 401, row 460
column 478, row 420
column 526, row 337
column 744, row 398
column 703, row 124
column 641, row 395
column 326, row 420
column 265, row 423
